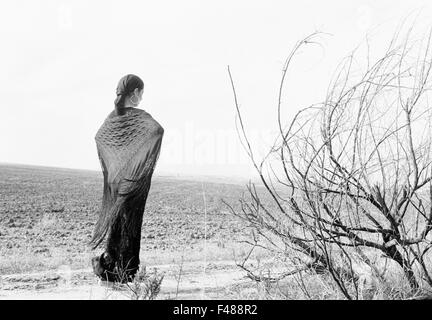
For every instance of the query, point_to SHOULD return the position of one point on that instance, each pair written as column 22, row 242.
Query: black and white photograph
column 241, row 150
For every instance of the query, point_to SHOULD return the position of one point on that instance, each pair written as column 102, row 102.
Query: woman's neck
column 128, row 104
column 122, row 110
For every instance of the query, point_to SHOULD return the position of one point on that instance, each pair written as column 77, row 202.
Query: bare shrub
column 351, row 176
column 145, row 285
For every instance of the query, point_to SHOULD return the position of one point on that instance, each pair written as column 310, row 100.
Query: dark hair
column 126, row 86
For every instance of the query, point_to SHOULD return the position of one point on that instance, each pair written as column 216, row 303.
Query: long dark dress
column 128, row 148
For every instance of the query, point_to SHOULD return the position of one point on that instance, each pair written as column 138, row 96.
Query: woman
column 128, row 145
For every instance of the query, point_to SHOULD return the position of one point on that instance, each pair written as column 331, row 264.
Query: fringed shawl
column 128, row 147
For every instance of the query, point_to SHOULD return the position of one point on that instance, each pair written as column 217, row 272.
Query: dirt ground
column 47, row 217
column 220, row 280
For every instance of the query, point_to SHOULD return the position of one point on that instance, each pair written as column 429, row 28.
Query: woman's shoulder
column 128, row 111
column 135, row 111
column 156, row 127
column 112, row 114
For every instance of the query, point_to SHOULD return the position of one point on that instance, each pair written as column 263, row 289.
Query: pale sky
column 61, row 61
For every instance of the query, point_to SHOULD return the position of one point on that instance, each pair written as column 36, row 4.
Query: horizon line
column 160, row 173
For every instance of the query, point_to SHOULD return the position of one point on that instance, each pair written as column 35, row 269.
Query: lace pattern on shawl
column 128, row 148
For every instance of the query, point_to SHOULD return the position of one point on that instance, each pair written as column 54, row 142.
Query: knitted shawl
column 128, row 147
